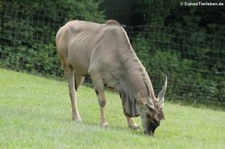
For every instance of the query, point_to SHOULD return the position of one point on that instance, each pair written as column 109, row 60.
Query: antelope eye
column 150, row 112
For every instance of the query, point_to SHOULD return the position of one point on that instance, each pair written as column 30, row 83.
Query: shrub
column 184, row 82
column 41, row 59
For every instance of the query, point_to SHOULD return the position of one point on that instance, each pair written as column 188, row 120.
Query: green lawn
column 35, row 113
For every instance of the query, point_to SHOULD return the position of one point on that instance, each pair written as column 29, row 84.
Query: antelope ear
column 162, row 94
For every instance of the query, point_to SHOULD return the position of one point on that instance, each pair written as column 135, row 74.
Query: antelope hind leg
column 99, row 89
column 73, row 97
column 69, row 75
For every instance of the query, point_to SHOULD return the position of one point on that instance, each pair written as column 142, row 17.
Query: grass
column 35, row 113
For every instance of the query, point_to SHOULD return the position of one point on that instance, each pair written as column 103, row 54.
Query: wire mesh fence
column 194, row 62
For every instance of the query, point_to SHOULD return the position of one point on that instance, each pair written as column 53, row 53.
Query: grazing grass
column 35, row 113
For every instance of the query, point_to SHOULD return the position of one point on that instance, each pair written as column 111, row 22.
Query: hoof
column 134, row 127
column 104, row 125
column 78, row 120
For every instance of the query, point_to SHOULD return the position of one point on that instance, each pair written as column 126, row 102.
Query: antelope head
column 150, row 109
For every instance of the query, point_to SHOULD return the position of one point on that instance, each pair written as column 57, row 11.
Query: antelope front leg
column 102, row 103
column 98, row 84
column 131, row 123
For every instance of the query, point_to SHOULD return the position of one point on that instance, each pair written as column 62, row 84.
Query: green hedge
column 41, row 59
column 186, row 80
column 28, row 29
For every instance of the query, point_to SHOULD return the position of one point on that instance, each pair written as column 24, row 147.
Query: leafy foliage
column 205, row 19
column 42, row 59
column 184, row 73
column 28, row 31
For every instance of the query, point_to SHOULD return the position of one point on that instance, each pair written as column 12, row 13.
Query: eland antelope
column 104, row 52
